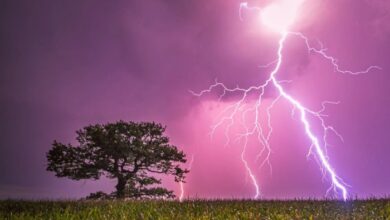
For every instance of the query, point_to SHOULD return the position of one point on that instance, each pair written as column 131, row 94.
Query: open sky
column 67, row 64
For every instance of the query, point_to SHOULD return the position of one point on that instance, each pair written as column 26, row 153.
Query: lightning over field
column 279, row 17
column 289, row 100
column 181, row 184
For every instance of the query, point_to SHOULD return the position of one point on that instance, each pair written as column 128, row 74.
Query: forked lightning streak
column 269, row 16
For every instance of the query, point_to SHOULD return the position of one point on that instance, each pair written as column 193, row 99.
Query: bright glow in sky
column 136, row 60
column 279, row 15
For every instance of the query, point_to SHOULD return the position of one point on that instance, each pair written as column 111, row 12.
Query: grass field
column 217, row 209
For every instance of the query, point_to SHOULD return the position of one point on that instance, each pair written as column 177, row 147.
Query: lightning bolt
column 182, row 190
column 256, row 127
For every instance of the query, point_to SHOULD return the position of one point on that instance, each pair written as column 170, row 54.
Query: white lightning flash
column 278, row 17
column 182, row 190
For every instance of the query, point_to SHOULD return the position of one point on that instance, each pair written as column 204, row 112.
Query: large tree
column 133, row 153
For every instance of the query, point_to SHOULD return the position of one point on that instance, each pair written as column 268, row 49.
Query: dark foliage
column 98, row 196
column 127, row 151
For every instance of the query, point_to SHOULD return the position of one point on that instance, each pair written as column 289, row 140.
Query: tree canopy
column 131, row 152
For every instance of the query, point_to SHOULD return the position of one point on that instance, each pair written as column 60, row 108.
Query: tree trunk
column 120, row 188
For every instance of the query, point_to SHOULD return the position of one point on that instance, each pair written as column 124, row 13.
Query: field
column 197, row 209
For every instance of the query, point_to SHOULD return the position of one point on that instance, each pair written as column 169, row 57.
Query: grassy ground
column 235, row 209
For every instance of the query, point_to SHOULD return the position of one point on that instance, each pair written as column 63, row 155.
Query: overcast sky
column 67, row 64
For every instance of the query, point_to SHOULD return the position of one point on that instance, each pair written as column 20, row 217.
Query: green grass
column 197, row 209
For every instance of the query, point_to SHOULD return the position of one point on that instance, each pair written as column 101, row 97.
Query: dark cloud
column 65, row 64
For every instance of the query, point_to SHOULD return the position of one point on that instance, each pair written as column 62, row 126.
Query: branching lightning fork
column 255, row 127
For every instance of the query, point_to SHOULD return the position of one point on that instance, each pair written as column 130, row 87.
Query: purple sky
column 66, row 64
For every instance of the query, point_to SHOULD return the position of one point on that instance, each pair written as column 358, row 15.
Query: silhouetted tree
column 127, row 151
